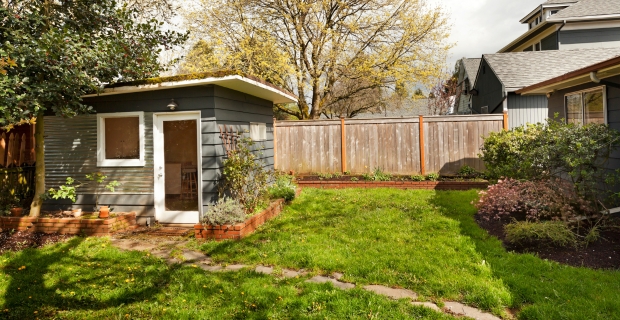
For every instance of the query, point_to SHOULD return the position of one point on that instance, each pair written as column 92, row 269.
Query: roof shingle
column 585, row 8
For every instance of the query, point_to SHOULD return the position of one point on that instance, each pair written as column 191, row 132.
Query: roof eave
column 586, row 18
column 532, row 32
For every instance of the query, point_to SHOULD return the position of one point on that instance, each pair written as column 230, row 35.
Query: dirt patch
column 20, row 240
column 602, row 254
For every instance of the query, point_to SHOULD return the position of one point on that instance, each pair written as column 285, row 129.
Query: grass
column 427, row 241
column 90, row 279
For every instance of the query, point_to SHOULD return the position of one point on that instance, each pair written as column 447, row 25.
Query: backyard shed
column 161, row 140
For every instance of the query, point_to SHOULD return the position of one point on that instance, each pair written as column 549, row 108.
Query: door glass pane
column 574, row 109
column 181, row 171
column 593, row 105
column 122, row 138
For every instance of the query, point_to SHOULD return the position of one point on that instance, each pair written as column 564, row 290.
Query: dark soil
column 393, row 178
column 20, row 240
column 602, row 254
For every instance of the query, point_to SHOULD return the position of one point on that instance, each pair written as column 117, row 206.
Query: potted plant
column 99, row 179
column 14, row 204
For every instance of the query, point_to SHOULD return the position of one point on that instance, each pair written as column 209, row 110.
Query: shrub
column 283, row 188
column 552, row 199
column 433, row 176
column 554, row 232
column 417, row 177
column 245, row 178
column 468, row 171
column 225, row 211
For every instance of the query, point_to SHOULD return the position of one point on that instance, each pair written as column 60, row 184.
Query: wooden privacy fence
column 395, row 145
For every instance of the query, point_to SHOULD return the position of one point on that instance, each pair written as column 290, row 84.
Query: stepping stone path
column 164, row 250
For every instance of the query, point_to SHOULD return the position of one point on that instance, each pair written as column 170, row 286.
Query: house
column 568, row 25
column 502, row 75
column 468, row 70
column 161, row 139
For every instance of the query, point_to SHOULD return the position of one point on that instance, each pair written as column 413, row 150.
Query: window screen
column 258, row 131
column 122, row 138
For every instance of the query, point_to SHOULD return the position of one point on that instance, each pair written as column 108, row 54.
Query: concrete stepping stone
column 209, row 268
column 264, row 270
column 392, row 292
column 161, row 253
column 336, row 283
column 193, row 256
column 427, row 305
column 235, row 267
column 460, row 309
column 337, row 275
column 133, row 245
column 287, row 273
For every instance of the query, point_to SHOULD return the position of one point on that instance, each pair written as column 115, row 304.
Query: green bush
column 467, row 171
column 418, row 177
column 553, row 232
column 225, row 211
column 433, row 176
column 284, row 187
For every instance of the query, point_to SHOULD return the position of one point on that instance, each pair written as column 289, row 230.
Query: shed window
column 258, row 131
column 120, row 139
column 586, row 107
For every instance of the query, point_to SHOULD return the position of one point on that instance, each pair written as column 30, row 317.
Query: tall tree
column 330, row 45
column 64, row 49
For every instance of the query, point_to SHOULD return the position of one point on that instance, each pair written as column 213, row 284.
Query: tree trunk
column 35, row 207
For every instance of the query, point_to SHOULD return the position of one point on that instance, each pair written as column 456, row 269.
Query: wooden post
column 343, row 146
column 422, row 157
column 505, row 120
column 275, row 146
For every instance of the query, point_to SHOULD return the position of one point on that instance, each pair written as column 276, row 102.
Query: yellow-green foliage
column 552, row 232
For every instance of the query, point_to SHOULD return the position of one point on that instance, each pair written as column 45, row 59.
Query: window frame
column 583, row 113
column 101, row 159
column 262, row 133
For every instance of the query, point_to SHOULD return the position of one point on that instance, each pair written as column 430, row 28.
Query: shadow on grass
column 540, row 289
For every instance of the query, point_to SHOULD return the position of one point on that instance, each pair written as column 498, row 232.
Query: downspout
column 558, row 32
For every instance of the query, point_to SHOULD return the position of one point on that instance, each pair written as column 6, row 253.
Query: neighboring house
column 569, row 24
column 468, row 70
column 160, row 139
column 501, row 75
column 586, row 95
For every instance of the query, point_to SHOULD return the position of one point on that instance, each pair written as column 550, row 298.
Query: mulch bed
column 602, row 254
column 393, row 178
column 20, row 240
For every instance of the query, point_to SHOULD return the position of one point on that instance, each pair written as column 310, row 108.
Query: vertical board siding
column 526, row 109
column 391, row 145
column 71, row 151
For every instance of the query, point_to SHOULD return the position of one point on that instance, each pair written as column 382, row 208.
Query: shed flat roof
column 246, row 84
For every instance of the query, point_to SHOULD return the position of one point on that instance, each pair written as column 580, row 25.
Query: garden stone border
column 199, row 260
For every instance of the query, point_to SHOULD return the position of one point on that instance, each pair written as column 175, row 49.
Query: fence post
column 422, row 157
column 275, row 146
column 505, row 120
column 343, row 146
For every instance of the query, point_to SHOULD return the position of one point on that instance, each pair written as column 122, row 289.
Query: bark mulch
column 602, row 254
column 20, row 240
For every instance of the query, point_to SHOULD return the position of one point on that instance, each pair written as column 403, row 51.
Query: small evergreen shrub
column 418, row 177
column 554, row 232
column 225, row 211
column 284, row 187
column 468, row 171
column 433, row 176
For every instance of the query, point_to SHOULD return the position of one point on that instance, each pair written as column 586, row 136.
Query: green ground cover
column 87, row 278
column 427, row 241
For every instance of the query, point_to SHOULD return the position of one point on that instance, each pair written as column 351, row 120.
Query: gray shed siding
column 490, row 90
column 589, row 38
column 218, row 106
column 526, row 109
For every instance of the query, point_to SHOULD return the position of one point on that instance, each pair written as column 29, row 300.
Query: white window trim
column 259, row 124
column 604, row 88
column 101, row 160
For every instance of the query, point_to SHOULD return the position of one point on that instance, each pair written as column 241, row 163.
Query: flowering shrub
column 550, row 199
column 225, row 211
column 284, row 187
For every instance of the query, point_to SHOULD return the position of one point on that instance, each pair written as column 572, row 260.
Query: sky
column 484, row 26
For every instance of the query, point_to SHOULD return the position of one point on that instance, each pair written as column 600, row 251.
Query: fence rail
column 396, row 145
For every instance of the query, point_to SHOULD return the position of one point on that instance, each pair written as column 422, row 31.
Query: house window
column 537, row 47
column 120, row 139
column 587, row 106
column 258, row 131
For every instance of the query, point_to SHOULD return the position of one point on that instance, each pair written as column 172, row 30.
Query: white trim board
column 101, row 158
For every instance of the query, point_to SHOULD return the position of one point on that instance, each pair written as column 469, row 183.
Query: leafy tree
column 64, row 49
column 329, row 52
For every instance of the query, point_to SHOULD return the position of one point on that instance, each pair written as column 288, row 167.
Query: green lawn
column 426, row 241
column 90, row 279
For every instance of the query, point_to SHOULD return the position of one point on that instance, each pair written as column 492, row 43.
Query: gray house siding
column 490, row 90
column 589, row 38
column 526, row 109
column 550, row 42
column 71, row 144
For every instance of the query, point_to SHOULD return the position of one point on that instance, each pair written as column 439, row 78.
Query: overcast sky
column 484, row 26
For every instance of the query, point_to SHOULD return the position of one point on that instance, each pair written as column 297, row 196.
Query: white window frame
column 262, row 131
column 604, row 88
column 101, row 159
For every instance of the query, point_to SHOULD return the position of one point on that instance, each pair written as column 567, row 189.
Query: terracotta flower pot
column 16, row 212
column 77, row 213
column 104, row 212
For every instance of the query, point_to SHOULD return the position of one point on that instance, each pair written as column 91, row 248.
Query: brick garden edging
column 89, row 227
column 436, row 185
column 239, row 230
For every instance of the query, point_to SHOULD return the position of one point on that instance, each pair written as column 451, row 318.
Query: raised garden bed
column 239, row 230
column 86, row 225
column 398, row 182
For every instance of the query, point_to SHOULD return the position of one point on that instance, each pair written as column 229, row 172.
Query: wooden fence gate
column 396, row 145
